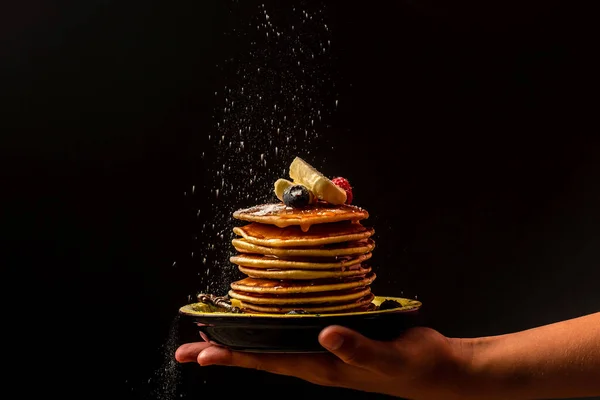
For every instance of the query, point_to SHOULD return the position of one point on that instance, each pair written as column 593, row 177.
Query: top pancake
column 292, row 236
column 280, row 215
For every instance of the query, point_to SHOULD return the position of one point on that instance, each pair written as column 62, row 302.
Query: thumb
column 354, row 349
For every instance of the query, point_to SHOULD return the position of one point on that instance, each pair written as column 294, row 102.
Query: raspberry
column 344, row 184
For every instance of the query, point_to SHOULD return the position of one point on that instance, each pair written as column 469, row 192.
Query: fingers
column 356, row 350
column 189, row 352
column 277, row 363
column 322, row 369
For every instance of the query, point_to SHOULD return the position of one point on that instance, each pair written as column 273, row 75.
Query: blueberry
column 296, row 196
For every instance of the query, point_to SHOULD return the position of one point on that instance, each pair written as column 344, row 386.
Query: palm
column 406, row 367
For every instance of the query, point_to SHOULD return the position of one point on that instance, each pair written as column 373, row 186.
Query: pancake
column 342, row 296
column 293, row 236
column 281, row 274
column 280, row 215
column 365, row 301
column 333, row 250
column 367, row 307
column 269, row 262
column 269, row 286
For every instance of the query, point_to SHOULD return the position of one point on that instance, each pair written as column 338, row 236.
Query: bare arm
column 552, row 361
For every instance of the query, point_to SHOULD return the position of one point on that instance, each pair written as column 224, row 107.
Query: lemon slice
column 280, row 186
column 323, row 188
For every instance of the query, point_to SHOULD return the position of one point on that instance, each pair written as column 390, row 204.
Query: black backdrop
column 467, row 130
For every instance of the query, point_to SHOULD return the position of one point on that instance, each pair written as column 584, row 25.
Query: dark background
column 467, row 129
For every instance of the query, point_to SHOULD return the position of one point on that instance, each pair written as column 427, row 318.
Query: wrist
column 481, row 369
column 471, row 378
column 455, row 376
column 466, row 376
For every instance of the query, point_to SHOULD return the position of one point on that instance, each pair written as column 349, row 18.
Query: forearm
column 553, row 361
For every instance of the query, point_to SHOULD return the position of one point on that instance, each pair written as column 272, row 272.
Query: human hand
column 421, row 364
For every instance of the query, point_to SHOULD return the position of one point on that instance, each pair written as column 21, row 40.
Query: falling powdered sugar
column 163, row 384
column 277, row 94
column 169, row 374
column 276, row 98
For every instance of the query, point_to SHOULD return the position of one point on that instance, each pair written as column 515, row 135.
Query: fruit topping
column 280, row 186
column 322, row 187
column 297, row 196
column 344, row 184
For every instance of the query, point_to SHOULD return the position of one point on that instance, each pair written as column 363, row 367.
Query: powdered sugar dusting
column 265, row 209
column 320, row 209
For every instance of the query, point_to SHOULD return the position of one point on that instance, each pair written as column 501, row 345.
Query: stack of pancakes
column 308, row 260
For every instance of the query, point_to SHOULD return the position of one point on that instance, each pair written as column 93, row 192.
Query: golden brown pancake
column 299, row 274
column 333, row 250
column 341, row 296
column 280, row 215
column 310, row 259
column 293, row 236
column 270, row 286
column 270, row 262
column 368, row 307
column 322, row 308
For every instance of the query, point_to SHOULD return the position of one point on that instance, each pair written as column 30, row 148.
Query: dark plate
column 276, row 333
